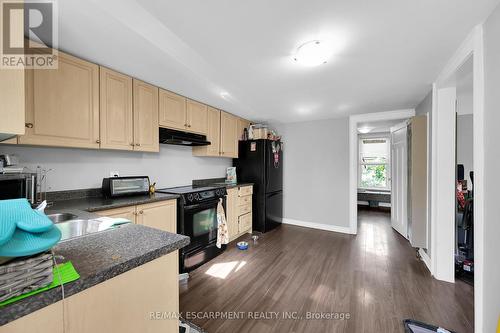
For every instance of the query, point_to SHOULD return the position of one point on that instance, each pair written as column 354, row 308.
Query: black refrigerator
column 261, row 162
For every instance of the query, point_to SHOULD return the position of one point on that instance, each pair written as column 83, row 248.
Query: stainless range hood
column 180, row 138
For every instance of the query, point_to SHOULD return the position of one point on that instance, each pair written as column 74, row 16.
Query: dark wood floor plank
column 374, row 276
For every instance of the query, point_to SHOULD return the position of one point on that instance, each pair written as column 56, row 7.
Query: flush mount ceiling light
column 313, row 53
column 364, row 130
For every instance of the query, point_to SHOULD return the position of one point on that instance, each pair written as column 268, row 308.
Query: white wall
column 316, row 172
column 82, row 168
column 491, row 300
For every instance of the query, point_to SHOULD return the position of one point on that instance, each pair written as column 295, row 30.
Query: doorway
column 444, row 184
column 370, row 162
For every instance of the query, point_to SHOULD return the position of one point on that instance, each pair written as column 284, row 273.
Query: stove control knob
column 197, row 196
column 190, row 197
column 219, row 192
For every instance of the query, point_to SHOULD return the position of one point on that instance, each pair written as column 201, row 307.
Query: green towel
column 67, row 273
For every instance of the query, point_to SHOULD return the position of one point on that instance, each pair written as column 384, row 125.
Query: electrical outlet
column 114, row 173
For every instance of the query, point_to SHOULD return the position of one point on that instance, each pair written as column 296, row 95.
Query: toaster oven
column 124, row 186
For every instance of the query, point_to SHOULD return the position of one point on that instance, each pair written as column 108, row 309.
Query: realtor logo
column 29, row 35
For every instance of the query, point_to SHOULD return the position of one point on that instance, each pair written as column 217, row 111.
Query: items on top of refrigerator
column 262, row 131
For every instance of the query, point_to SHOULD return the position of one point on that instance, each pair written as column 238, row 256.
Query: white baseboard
column 320, row 226
column 426, row 259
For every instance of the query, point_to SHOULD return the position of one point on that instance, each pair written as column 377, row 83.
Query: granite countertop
column 97, row 258
column 218, row 182
column 98, row 203
column 232, row 185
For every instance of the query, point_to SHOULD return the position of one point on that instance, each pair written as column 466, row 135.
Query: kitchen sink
column 62, row 217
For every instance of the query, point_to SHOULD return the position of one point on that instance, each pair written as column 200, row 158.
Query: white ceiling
column 392, row 50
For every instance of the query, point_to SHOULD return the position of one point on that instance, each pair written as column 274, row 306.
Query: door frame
column 472, row 46
column 353, row 155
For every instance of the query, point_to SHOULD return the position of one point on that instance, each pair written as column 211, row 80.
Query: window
column 374, row 159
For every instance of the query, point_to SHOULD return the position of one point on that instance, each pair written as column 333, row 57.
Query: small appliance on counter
column 113, row 187
column 19, row 185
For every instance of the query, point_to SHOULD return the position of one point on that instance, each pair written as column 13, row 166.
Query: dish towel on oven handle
column 222, row 232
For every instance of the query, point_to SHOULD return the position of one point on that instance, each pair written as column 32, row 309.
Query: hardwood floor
column 374, row 277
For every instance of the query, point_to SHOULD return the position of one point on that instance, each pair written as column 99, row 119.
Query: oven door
column 200, row 223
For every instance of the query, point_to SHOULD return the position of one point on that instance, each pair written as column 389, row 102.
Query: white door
column 399, row 183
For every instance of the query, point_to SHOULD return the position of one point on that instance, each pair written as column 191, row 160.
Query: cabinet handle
column 141, row 212
column 28, row 125
column 132, row 144
column 97, row 141
column 185, row 125
column 189, row 125
column 138, row 144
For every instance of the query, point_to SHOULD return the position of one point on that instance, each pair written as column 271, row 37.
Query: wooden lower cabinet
column 125, row 303
column 124, row 212
column 160, row 215
column 46, row 320
column 239, row 211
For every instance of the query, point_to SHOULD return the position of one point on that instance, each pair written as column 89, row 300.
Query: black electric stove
column 197, row 218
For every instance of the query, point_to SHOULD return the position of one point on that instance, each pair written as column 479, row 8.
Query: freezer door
column 274, row 167
column 274, row 210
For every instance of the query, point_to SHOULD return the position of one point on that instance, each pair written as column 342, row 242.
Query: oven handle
column 207, row 204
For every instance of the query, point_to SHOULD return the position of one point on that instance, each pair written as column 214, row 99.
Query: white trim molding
column 472, row 46
column 319, row 226
column 425, row 258
column 353, row 155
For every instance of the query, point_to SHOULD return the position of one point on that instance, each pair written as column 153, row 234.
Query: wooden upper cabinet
column 228, row 135
column 146, row 117
column 213, row 135
column 197, row 114
column 172, row 110
column 242, row 124
column 62, row 105
column 116, row 110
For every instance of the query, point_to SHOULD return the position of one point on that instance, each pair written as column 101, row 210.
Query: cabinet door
column 172, row 110
column 213, row 135
column 197, row 114
column 160, row 215
column 47, row 319
column 232, row 212
column 12, row 95
column 229, row 135
column 242, row 124
column 115, row 102
column 245, row 223
column 63, row 105
column 124, row 212
column 125, row 302
column 146, row 117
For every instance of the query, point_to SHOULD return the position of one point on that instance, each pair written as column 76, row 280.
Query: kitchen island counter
column 98, row 258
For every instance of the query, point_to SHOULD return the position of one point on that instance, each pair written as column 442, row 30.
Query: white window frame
column 386, row 136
